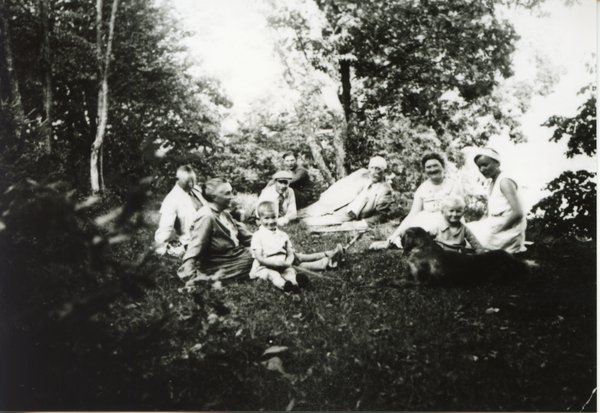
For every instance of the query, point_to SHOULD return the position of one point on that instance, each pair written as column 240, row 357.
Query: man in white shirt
column 178, row 210
column 369, row 207
column 281, row 195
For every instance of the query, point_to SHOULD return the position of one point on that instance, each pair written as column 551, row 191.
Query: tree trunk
column 102, row 117
column 339, row 143
column 16, row 107
column 345, row 97
column 316, row 149
column 341, row 133
column 46, row 74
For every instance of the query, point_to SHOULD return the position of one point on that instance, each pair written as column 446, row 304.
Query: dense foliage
column 427, row 65
column 154, row 103
column 581, row 129
column 572, row 207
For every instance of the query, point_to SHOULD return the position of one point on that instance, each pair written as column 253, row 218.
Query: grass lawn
column 359, row 342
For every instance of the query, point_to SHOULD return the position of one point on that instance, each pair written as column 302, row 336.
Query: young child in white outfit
column 272, row 251
column 274, row 255
column 450, row 232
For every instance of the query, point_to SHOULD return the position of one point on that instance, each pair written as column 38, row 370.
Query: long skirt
column 235, row 264
column 511, row 240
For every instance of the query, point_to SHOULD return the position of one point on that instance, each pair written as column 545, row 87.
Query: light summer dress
column 432, row 196
column 511, row 239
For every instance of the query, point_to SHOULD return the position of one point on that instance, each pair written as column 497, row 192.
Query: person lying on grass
column 274, row 255
column 358, row 201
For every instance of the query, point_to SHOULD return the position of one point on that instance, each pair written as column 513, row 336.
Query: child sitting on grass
column 450, row 232
column 274, row 256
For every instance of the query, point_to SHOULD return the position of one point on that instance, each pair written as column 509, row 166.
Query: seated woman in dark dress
column 217, row 246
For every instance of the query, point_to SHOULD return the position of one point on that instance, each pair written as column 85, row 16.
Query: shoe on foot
column 302, row 280
column 288, row 287
column 335, row 256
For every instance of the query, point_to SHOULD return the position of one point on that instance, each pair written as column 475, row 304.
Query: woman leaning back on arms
column 426, row 207
column 505, row 223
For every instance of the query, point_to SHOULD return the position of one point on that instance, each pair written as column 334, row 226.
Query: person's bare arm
column 269, row 262
column 474, row 242
column 509, row 189
column 299, row 175
column 416, row 207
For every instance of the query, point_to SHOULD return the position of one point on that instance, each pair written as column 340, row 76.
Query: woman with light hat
column 504, row 225
column 362, row 196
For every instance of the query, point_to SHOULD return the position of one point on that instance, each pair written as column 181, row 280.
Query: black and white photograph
column 314, row 205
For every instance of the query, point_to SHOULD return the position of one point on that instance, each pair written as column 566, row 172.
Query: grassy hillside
column 356, row 342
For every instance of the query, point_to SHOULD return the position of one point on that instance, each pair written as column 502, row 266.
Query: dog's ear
column 408, row 240
column 416, row 237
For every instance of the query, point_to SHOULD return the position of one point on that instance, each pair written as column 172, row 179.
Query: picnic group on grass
column 216, row 246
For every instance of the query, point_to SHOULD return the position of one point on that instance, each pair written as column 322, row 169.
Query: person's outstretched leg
column 318, row 265
column 273, row 276
column 289, row 274
column 291, row 282
column 334, row 254
column 316, row 256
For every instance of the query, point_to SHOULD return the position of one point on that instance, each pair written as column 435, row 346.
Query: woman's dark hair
column 289, row 153
column 210, row 188
column 433, row 155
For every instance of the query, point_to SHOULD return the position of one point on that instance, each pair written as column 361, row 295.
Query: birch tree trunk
column 16, row 107
column 340, row 135
column 316, row 151
column 102, row 116
column 46, row 74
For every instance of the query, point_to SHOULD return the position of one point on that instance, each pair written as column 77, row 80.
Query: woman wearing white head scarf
column 504, row 225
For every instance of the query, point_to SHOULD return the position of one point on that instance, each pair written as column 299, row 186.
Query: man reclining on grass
column 363, row 199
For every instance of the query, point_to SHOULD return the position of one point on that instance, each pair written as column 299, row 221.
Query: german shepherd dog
column 430, row 264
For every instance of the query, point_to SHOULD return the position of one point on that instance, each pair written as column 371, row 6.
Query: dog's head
column 415, row 238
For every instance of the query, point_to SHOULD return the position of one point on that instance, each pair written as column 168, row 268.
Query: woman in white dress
column 504, row 225
column 427, row 203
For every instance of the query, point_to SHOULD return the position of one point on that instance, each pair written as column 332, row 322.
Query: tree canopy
column 153, row 103
column 429, row 64
column 580, row 129
column 571, row 209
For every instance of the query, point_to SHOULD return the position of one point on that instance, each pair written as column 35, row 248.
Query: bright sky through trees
column 232, row 43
